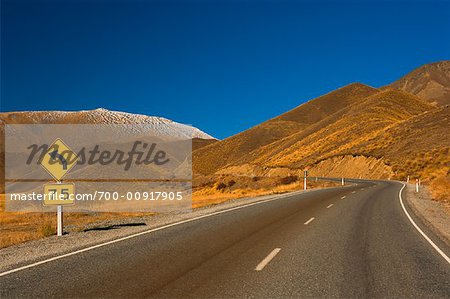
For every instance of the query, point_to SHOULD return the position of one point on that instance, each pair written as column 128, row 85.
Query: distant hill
column 430, row 82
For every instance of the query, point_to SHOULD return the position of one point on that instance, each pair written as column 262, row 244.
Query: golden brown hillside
column 387, row 134
column 430, row 82
column 209, row 159
column 340, row 132
column 418, row 147
column 200, row 142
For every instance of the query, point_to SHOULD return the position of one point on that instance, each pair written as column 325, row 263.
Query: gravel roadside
column 431, row 212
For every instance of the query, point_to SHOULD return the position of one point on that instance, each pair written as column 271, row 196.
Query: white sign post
column 59, row 195
column 343, row 183
column 59, row 218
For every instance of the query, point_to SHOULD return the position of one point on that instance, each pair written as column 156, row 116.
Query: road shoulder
column 431, row 213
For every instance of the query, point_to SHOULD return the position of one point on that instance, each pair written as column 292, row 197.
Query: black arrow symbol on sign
column 55, row 156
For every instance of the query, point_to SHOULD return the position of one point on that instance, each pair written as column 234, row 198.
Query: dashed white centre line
column 343, row 197
column 329, row 206
column 307, row 222
column 267, row 260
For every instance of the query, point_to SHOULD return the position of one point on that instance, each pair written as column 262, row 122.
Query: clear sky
column 220, row 66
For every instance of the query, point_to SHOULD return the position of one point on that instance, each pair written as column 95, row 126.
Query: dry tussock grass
column 211, row 195
column 440, row 189
column 18, row 227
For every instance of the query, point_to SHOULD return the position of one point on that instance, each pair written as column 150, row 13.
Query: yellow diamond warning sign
column 59, row 159
column 59, row 194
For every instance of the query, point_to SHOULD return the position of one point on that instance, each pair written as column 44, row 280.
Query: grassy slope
column 342, row 131
column 200, row 142
column 209, row 159
column 418, row 147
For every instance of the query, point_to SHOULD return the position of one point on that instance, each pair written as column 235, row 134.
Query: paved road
column 357, row 242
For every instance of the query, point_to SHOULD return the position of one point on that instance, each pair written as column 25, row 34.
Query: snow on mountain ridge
column 159, row 126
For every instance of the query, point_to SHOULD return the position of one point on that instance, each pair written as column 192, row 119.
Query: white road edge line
column 307, row 222
column 142, row 233
column 267, row 259
column 343, row 197
column 329, row 206
column 418, row 228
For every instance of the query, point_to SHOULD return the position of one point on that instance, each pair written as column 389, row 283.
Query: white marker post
column 343, row 183
column 407, row 179
column 59, row 218
column 304, row 179
column 417, row 186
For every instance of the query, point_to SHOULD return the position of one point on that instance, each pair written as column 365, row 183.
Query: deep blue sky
column 220, row 66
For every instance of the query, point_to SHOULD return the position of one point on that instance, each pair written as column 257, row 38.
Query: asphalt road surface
column 340, row 242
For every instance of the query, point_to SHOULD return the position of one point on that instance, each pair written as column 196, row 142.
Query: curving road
column 340, row 242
